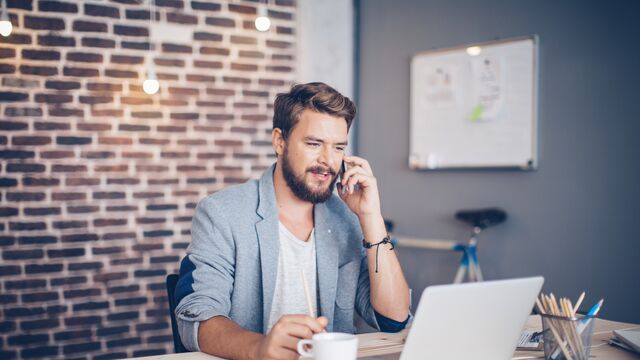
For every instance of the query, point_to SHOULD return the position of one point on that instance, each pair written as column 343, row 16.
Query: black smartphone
column 343, row 169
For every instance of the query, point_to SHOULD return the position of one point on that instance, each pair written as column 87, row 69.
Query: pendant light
column 151, row 84
column 263, row 23
column 5, row 23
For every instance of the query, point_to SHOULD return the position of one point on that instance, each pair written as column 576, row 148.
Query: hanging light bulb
column 151, row 84
column 5, row 27
column 263, row 23
column 5, row 23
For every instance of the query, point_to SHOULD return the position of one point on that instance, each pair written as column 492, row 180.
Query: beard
column 300, row 188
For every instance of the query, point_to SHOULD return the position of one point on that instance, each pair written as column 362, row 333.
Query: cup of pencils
column 566, row 334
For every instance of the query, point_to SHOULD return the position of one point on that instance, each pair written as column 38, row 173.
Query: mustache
column 321, row 169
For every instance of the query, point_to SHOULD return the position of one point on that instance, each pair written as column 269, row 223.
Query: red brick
column 84, row 57
column 223, row 22
column 207, row 50
column 180, row 18
column 242, row 9
column 30, row 140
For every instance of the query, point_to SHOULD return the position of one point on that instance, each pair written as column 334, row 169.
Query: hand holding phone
column 360, row 189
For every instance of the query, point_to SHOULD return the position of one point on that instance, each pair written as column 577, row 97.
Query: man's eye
column 340, row 148
column 312, row 144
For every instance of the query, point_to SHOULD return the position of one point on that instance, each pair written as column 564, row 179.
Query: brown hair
column 315, row 96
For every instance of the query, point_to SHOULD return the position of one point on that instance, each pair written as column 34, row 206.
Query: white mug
column 330, row 346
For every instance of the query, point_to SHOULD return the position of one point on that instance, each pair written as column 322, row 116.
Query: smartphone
column 343, row 169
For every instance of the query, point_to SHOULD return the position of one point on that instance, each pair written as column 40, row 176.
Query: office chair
column 172, row 280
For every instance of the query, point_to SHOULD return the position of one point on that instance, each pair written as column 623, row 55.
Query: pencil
column 572, row 335
column 307, row 295
column 540, row 308
column 564, row 349
column 578, row 303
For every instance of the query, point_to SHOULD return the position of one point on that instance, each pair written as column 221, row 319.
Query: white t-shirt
column 295, row 255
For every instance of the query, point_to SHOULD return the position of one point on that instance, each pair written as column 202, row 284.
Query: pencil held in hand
column 307, row 295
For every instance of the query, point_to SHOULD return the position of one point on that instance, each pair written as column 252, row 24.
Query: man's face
column 313, row 154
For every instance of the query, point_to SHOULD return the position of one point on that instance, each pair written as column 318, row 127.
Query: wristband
column 385, row 240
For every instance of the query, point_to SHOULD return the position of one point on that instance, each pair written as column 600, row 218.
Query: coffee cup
column 330, row 346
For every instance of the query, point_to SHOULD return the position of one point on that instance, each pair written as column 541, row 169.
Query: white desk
column 384, row 346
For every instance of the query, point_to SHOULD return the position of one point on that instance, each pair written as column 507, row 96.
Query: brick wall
column 98, row 180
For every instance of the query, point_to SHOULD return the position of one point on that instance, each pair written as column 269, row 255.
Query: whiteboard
column 475, row 106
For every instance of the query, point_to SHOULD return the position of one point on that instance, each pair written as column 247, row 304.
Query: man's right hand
column 282, row 341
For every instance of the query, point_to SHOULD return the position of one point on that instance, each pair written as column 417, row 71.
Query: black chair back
column 172, row 280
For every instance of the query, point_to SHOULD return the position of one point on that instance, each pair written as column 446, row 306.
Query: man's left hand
column 363, row 200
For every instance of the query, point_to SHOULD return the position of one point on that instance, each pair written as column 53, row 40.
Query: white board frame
column 475, row 111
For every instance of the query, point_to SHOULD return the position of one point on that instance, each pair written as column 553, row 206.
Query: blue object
column 390, row 325
column 594, row 309
column 172, row 280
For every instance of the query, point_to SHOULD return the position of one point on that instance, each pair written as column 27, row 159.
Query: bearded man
column 256, row 246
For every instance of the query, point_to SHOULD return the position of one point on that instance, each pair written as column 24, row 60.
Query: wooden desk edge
column 601, row 333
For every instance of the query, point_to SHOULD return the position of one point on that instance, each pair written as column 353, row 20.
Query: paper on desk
column 630, row 338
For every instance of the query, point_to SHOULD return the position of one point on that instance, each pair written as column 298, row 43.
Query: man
column 256, row 246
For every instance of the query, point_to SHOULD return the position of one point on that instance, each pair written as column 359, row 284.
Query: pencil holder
column 567, row 338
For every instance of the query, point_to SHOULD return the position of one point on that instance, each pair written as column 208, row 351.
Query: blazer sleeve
column 207, row 272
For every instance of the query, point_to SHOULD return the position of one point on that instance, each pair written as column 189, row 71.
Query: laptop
column 481, row 320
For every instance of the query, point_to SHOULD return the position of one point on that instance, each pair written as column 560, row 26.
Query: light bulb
column 151, row 86
column 263, row 23
column 5, row 28
column 474, row 50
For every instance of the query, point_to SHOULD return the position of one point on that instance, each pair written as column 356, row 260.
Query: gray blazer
column 231, row 264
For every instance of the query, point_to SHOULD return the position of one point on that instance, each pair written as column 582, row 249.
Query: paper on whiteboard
column 440, row 87
column 488, row 88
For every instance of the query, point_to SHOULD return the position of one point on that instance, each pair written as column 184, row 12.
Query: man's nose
column 328, row 157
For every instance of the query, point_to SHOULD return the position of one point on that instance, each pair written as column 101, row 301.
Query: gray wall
column 575, row 219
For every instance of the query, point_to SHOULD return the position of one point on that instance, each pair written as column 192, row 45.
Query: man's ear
column 278, row 141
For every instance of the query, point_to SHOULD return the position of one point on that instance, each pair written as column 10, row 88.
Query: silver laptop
column 471, row 321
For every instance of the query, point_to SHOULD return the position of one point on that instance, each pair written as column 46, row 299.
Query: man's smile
column 322, row 174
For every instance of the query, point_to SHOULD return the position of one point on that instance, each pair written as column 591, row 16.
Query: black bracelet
column 368, row 245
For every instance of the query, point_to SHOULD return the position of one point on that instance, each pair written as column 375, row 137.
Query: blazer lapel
column 269, row 243
column 326, row 262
